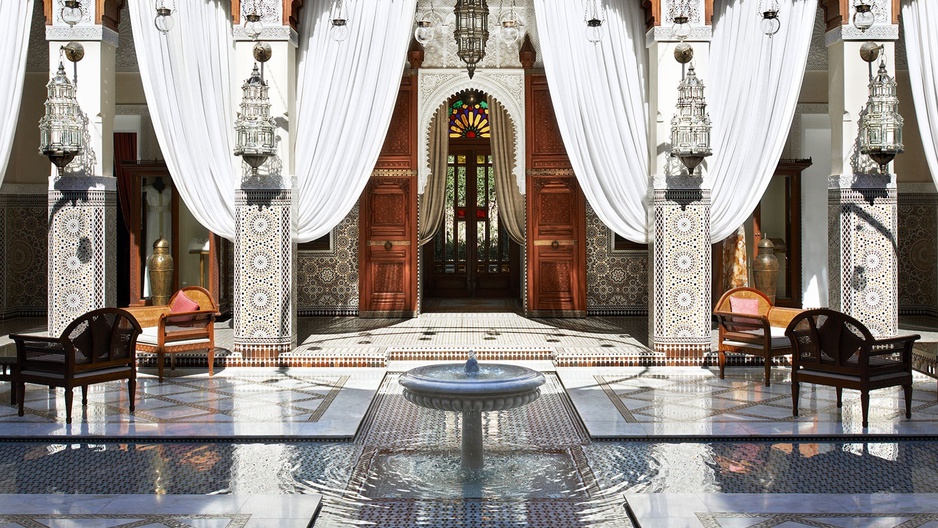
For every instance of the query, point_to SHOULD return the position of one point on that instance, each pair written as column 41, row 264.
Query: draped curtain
column 125, row 149
column 507, row 195
column 187, row 82
column 346, row 94
column 752, row 95
column 433, row 203
column 13, row 45
column 599, row 93
column 919, row 19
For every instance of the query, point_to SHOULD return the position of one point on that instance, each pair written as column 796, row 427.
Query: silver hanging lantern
column 164, row 21
column 61, row 129
column 690, row 127
column 472, row 31
column 254, row 127
column 863, row 17
column 770, row 24
column 880, row 122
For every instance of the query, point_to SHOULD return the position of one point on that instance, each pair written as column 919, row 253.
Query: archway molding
column 438, row 86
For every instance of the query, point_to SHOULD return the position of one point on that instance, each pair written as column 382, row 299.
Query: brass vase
column 765, row 269
column 160, row 270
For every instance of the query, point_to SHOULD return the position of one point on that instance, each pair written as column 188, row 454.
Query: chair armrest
column 781, row 317
column 147, row 315
column 893, row 345
column 30, row 346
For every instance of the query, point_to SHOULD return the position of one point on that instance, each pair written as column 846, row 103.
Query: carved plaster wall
column 437, row 86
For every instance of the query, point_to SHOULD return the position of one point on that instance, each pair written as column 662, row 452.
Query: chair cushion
column 744, row 306
column 148, row 337
column 183, row 304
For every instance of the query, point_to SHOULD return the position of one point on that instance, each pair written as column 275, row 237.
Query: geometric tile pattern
column 819, row 520
column 327, row 281
column 265, row 273
column 863, row 258
column 119, row 520
column 82, row 252
column 665, row 397
column 682, row 273
column 24, row 251
column 918, row 251
column 616, row 281
column 257, row 398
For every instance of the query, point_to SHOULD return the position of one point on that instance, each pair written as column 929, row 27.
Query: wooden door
column 388, row 218
column 556, row 214
column 471, row 255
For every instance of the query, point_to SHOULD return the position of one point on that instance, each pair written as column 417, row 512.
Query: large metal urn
column 160, row 272
column 765, row 269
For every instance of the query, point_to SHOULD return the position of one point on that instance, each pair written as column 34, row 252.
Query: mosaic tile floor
column 715, row 453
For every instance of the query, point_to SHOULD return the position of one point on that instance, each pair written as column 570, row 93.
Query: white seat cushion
column 779, row 339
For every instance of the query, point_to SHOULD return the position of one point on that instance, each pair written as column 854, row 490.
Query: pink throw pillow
column 183, row 304
column 744, row 306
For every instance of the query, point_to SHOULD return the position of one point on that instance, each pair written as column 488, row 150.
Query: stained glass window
column 469, row 120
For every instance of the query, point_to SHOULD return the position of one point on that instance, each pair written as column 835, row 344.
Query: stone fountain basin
column 496, row 387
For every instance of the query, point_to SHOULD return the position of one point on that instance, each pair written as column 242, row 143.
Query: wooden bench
column 753, row 327
column 166, row 332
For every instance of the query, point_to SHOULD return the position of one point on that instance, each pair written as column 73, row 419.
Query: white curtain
column 599, row 93
column 13, row 45
column 752, row 95
column 919, row 19
column 188, row 83
column 346, row 93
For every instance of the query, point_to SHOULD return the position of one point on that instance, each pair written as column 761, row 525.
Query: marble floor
column 610, row 446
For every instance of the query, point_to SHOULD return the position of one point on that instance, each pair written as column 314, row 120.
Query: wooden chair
column 834, row 349
column 169, row 333
column 99, row 346
column 758, row 331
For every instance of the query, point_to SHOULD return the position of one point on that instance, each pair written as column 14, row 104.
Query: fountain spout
column 472, row 365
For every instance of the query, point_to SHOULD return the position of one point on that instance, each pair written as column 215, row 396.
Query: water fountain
column 472, row 389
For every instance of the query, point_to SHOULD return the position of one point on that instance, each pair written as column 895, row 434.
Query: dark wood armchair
column 167, row 332
column 834, row 349
column 754, row 327
column 99, row 346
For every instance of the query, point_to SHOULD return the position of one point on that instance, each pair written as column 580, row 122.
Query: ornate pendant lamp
column 863, row 17
column 164, row 17
column 594, row 16
column 427, row 24
column 60, row 130
column 690, row 127
column 72, row 13
column 770, row 24
column 339, row 17
column 472, row 31
column 255, row 140
column 509, row 24
column 880, row 122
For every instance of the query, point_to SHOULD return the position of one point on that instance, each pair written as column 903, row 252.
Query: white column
column 265, row 300
column 680, row 310
column 861, row 201
column 83, row 202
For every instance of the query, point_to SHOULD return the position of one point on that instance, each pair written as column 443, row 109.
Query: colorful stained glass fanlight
column 469, row 118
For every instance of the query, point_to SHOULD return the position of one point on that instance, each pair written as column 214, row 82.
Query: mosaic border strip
column 32, row 520
column 769, row 520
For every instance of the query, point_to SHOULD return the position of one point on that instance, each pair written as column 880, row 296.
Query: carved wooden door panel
column 556, row 213
column 556, row 247
column 387, row 247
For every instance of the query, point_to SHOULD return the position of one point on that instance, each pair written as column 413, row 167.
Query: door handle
column 388, row 245
column 554, row 244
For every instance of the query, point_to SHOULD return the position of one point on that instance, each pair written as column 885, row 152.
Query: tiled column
column 83, row 202
column 861, row 201
column 680, row 300
column 265, row 299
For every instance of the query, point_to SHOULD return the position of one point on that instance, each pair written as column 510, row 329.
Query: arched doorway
column 471, row 256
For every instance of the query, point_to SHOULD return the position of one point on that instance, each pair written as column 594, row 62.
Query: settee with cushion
column 186, row 324
column 750, row 324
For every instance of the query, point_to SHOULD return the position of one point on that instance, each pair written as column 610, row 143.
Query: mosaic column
column 862, row 205
column 265, row 265
column 264, row 274
column 83, row 199
column 679, row 310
